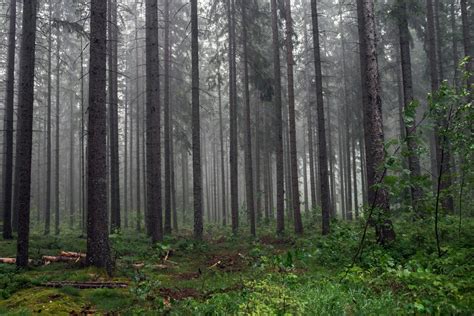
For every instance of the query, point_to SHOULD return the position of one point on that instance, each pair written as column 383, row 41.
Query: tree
column 248, row 127
column 196, row 124
column 374, row 136
column 56, row 175
column 47, row 215
column 292, row 120
column 9, row 109
column 467, row 41
column 410, row 125
column 113, row 117
column 98, row 249
column 233, row 151
column 24, row 136
column 280, row 191
column 153, row 141
column 167, row 120
column 322, row 148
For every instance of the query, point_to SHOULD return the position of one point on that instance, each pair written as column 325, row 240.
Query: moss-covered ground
column 224, row 275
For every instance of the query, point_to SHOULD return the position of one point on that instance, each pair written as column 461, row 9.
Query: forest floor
column 226, row 275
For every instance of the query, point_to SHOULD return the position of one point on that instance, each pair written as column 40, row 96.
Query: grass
column 269, row 276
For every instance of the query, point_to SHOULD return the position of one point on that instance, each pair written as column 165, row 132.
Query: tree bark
column 167, row 121
column 47, row 215
column 322, row 148
column 24, row 133
column 8, row 123
column 248, row 144
column 153, row 111
column 58, row 127
column 278, row 123
column 375, row 153
column 410, row 126
column 98, row 249
column 292, row 121
column 196, row 124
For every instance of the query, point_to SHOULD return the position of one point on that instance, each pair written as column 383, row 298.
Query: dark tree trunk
column 113, row 118
column 98, row 249
column 410, row 126
column 153, row 140
column 248, row 144
column 47, row 215
column 167, row 121
column 137, row 138
column 375, row 152
column 24, row 134
column 72, row 210
column 125, row 158
column 292, row 121
column 278, row 123
column 196, row 124
column 233, row 152
column 466, row 16
column 221, row 136
column 56, row 163
column 9, row 110
column 322, row 148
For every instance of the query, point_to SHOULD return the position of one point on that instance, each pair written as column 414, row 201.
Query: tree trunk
column 466, row 16
column 56, row 176
column 9, row 110
column 98, row 249
column 47, row 215
column 167, row 121
column 196, row 124
column 322, row 148
column 410, row 125
column 248, row 144
column 375, row 152
column 278, row 123
column 292, row 121
column 24, row 134
column 233, row 152
column 221, row 136
column 72, row 191
column 153, row 111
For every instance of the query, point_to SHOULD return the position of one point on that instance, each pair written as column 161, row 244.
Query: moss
column 40, row 300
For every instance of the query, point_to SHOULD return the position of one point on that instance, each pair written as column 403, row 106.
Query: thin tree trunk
column 466, row 17
column 221, row 136
column 233, row 152
column 137, row 137
column 410, row 126
column 8, row 123
column 292, row 122
column 248, row 144
column 71, row 162
column 56, row 177
column 167, row 121
column 322, row 148
column 196, row 124
column 47, row 215
column 278, row 123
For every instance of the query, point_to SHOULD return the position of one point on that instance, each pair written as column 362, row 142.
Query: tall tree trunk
column 454, row 39
column 47, row 215
column 113, row 118
column 9, row 110
column 292, row 121
column 466, row 16
column 322, row 148
column 233, row 152
column 167, row 121
column 196, row 124
column 278, row 123
column 83, row 134
column 410, row 125
column 72, row 191
column 56, row 176
column 125, row 158
column 98, row 249
column 375, row 153
column 137, row 136
column 24, row 135
column 439, row 40
column 153, row 111
column 248, row 126
column 221, row 136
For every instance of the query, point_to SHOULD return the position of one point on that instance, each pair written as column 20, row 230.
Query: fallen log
column 86, row 285
column 49, row 259
column 8, row 260
column 72, row 254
